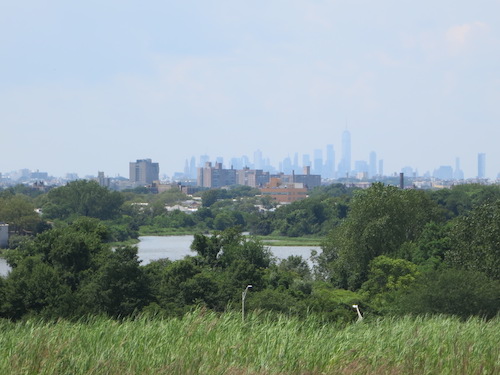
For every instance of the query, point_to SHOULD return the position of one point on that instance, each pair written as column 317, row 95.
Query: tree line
column 390, row 251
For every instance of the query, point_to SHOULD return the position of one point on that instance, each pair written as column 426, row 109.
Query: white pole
column 243, row 296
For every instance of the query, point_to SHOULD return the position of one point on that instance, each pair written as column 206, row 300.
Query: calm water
column 177, row 247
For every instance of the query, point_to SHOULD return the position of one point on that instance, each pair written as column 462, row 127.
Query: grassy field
column 290, row 241
column 207, row 343
column 153, row 231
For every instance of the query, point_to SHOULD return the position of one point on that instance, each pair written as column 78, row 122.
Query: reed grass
column 147, row 230
column 290, row 241
column 203, row 342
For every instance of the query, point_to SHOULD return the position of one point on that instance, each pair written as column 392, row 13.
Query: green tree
column 451, row 291
column 69, row 271
column 387, row 276
column 475, row 241
column 331, row 304
column 34, row 287
column 431, row 246
column 209, row 197
column 171, row 291
column 381, row 219
column 82, row 198
column 19, row 213
column 228, row 218
column 225, row 247
column 119, row 287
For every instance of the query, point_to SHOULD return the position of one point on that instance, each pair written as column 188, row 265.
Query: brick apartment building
column 284, row 192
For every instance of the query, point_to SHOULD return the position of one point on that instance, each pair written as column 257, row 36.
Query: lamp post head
column 249, row 286
column 355, row 306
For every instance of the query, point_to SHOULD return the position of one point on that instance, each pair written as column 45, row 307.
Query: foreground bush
column 207, row 343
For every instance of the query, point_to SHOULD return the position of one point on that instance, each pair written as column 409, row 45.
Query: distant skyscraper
column 295, row 165
column 381, row 167
column 203, row 160
column 444, row 172
column 237, row 163
column 361, row 167
column 458, row 174
column 407, row 171
column 257, row 160
column 245, row 161
column 329, row 170
column 318, row 162
column 144, row 172
column 306, row 160
column 287, row 165
column 481, row 165
column 373, row 165
column 345, row 162
column 192, row 167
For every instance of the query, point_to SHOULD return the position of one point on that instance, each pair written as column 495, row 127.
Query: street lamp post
column 243, row 296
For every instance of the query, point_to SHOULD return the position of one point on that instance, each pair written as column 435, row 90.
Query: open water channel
column 152, row 248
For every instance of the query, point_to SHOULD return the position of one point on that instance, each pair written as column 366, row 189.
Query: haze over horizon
column 95, row 85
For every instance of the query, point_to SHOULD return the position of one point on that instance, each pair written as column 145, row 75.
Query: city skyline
column 417, row 83
column 144, row 171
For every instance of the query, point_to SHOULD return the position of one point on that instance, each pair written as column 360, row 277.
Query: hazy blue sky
column 92, row 85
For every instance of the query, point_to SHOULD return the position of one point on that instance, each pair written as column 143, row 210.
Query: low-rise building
column 284, row 192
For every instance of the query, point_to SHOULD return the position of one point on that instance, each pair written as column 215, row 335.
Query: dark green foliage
column 227, row 219
column 312, row 216
column 381, row 219
column 475, row 240
column 332, row 191
column 82, row 198
column 19, row 213
column 16, row 240
column 35, row 287
column 70, row 271
column 460, row 199
column 224, row 248
column 273, row 300
column 174, row 219
column 119, row 287
column 171, row 293
column 260, row 225
column 297, row 265
column 20, row 189
column 334, row 305
column 451, row 291
column 239, row 191
column 209, row 197
column 386, row 277
column 138, row 190
column 225, row 263
column 430, row 247
column 121, row 232
column 390, row 247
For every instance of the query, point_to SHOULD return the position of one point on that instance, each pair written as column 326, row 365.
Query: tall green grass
column 207, row 343
column 290, row 241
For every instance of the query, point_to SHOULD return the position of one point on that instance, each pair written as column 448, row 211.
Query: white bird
column 360, row 317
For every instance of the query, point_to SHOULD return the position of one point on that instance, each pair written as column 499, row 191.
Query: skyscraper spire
column 345, row 162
